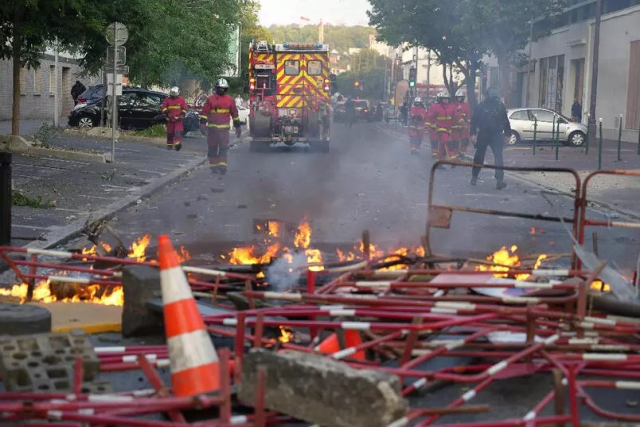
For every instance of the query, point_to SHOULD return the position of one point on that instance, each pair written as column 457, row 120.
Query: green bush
column 155, row 131
column 19, row 199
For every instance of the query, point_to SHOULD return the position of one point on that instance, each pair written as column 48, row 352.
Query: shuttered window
column 633, row 94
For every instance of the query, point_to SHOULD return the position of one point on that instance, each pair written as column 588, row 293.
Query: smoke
column 286, row 271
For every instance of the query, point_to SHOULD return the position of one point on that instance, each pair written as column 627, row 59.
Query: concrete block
column 45, row 362
column 140, row 283
column 323, row 391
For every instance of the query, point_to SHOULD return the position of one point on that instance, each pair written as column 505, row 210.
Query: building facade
column 561, row 67
column 38, row 87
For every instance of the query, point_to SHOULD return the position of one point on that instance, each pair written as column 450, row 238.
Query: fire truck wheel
column 23, row 319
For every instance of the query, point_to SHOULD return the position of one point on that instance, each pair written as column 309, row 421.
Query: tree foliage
column 338, row 37
column 460, row 32
column 367, row 67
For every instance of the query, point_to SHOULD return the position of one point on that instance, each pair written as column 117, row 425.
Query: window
column 149, row 100
column 52, row 79
column 291, row 68
column 520, row 115
column 314, row 68
column 544, row 115
column 127, row 98
column 37, row 81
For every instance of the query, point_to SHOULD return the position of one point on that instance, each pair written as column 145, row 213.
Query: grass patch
column 155, row 131
column 19, row 199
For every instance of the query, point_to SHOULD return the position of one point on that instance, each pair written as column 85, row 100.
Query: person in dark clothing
column 576, row 111
column 404, row 113
column 76, row 91
column 489, row 127
column 350, row 112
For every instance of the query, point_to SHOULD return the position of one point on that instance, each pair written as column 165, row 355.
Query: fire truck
column 288, row 83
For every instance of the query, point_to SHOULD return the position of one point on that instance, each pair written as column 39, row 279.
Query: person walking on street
column 350, row 112
column 417, row 119
column 77, row 90
column 489, row 127
column 217, row 113
column 174, row 108
column 239, row 101
column 324, row 111
column 576, row 111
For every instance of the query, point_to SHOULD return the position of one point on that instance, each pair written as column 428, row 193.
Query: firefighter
column 216, row 114
column 174, row 108
column 417, row 119
column 440, row 116
column 463, row 112
column 324, row 113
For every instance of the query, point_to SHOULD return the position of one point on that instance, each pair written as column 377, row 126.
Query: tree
column 460, row 32
column 27, row 26
column 169, row 40
column 434, row 25
column 503, row 27
column 338, row 37
column 367, row 67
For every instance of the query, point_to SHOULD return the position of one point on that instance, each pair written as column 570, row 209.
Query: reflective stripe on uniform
column 443, row 130
column 236, row 119
column 214, row 165
column 174, row 107
column 221, row 111
column 213, row 125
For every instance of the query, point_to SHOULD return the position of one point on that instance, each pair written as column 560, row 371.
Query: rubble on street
column 283, row 333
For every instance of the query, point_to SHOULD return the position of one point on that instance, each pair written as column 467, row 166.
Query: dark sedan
column 138, row 109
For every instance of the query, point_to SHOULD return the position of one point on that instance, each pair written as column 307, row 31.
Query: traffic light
column 356, row 84
column 413, row 76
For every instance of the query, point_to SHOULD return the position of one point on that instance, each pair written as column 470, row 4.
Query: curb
column 68, row 232
column 97, row 328
column 20, row 145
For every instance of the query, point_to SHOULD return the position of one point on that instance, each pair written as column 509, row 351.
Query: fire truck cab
column 289, row 95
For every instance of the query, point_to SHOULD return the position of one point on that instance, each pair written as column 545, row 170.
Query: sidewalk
column 617, row 193
column 61, row 194
column 29, row 127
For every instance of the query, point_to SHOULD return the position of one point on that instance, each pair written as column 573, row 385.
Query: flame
column 598, row 285
column 139, row 247
column 85, row 293
column 314, row 256
column 507, row 258
column 274, row 229
column 285, row 335
column 248, row 255
column 303, row 236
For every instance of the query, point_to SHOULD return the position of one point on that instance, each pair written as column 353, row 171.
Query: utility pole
column 529, row 77
column 56, row 94
column 428, row 73
column 594, row 72
column 417, row 51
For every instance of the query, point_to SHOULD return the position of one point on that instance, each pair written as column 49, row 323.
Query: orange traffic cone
column 195, row 368
column 351, row 339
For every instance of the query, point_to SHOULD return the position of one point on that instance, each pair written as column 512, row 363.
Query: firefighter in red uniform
column 440, row 116
column 216, row 113
column 417, row 119
column 433, row 136
column 464, row 112
column 175, row 108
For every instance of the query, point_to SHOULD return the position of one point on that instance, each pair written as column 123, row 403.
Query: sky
column 337, row 12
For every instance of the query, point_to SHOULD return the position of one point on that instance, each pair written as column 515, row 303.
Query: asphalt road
column 370, row 181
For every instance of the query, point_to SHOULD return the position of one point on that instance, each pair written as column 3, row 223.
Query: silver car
column 523, row 120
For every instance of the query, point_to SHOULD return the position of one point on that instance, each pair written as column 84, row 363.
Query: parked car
column 92, row 94
column 523, row 121
column 138, row 109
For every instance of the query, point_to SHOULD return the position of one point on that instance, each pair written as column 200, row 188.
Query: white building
column 562, row 66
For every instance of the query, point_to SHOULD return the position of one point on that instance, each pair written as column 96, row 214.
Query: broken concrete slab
column 140, row 284
column 323, row 391
column 21, row 145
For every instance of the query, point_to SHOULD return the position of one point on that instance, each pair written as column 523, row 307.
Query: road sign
column 110, row 85
column 122, row 69
column 117, row 34
column 122, row 55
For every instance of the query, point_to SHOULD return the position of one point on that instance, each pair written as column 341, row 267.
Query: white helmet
column 174, row 91
column 222, row 83
column 417, row 100
column 441, row 96
column 460, row 94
